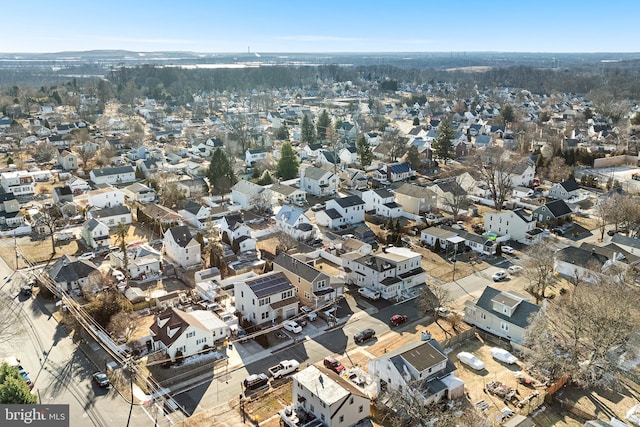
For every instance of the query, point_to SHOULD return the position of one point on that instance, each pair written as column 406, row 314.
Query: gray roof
column 69, row 269
column 570, row 185
column 181, row 235
column 269, row 284
column 193, row 207
column 383, row 193
column 283, row 189
column 626, row 240
column 315, row 173
column 558, row 208
column 521, row 314
column 297, row 267
column 349, row 201
column 107, row 212
column 332, row 213
column 113, row 171
column 93, row 223
column 414, row 191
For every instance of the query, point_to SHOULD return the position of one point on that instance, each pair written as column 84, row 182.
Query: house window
column 504, row 326
column 360, row 409
column 483, row 316
column 186, row 251
column 306, row 295
column 191, row 334
column 321, row 283
column 341, row 419
column 351, row 401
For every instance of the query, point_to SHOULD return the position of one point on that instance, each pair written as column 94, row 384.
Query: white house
column 317, row 181
column 392, row 272
column 181, row 248
column 20, row 183
column 349, row 155
column 564, row 190
column 382, row 202
column 142, row 261
column 326, row 398
column 195, row 214
column 285, row 194
column 523, row 174
column 138, row 192
column 421, row 368
column 106, row 197
column 111, row 216
column 95, row 234
column 295, row 223
column 256, row 155
column 341, row 211
column 415, row 199
column 115, row 175
column 69, row 273
column 78, row 185
column 67, row 160
column 248, row 195
column 517, row 224
column 266, row 298
column 182, row 334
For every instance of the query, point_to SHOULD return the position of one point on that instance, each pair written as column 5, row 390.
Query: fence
column 553, row 388
column 457, row 339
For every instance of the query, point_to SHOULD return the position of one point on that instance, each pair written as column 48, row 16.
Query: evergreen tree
column 265, row 179
column 324, row 121
column 416, row 121
column 442, row 146
column 308, row 131
column 220, row 173
column 364, row 151
column 13, row 388
column 288, row 164
column 283, row 133
column 413, row 157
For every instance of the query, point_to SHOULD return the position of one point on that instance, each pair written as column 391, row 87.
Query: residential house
column 449, row 194
column 71, row 274
column 313, row 287
column 181, row 248
column 393, row 272
column 295, row 223
column 353, row 179
column 256, row 155
column 399, row 172
column 420, row 368
column 193, row 187
column 415, row 199
column 552, row 213
column 522, row 174
column 78, row 185
column 143, row 261
column 502, row 313
column 381, row 201
column 111, row 216
column 342, row 211
column 266, row 298
column 454, row 241
column 20, row 183
column 285, row 194
column 10, row 214
column 322, row 398
column 180, row 334
column 317, row 181
column 564, row 190
column 138, row 192
column 196, row 214
column 62, row 195
column 588, row 263
column 516, row 224
column 67, row 160
column 627, row 243
column 106, row 197
column 249, row 196
column 349, row 155
column 95, row 234
column 161, row 216
column 113, row 175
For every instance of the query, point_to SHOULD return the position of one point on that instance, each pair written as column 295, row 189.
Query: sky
column 313, row 26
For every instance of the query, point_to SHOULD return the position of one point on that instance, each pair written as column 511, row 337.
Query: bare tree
column 456, row 197
column 605, row 212
column 538, row 268
column 124, row 325
column 431, row 298
column 86, row 153
column 557, row 170
column 172, row 195
column 47, row 221
column 495, row 170
column 578, row 333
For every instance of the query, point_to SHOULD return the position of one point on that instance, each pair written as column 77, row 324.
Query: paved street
column 60, row 371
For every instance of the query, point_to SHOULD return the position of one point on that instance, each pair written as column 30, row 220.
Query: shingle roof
column 70, row 269
column 558, row 208
column 113, row 171
column 581, row 257
column 570, row 185
column 107, row 212
column 181, row 235
column 349, row 201
column 521, row 314
column 175, row 319
column 297, row 267
column 315, row 173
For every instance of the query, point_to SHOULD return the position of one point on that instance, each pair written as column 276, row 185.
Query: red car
column 397, row 319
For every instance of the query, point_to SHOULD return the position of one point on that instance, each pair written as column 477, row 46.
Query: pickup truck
column 284, row 368
column 369, row 293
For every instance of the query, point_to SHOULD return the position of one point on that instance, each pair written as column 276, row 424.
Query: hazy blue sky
column 322, row 26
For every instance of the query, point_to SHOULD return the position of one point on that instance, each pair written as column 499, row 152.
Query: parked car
column 333, row 364
column 397, row 319
column 470, row 360
column 503, row 355
column 292, row 326
column 364, row 335
column 611, row 232
column 26, row 290
column 443, row 312
column 514, row 269
column 507, row 249
column 101, row 379
column 317, row 207
column 558, row 231
column 309, row 314
column 87, row 255
column 255, row 382
column 499, row 276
